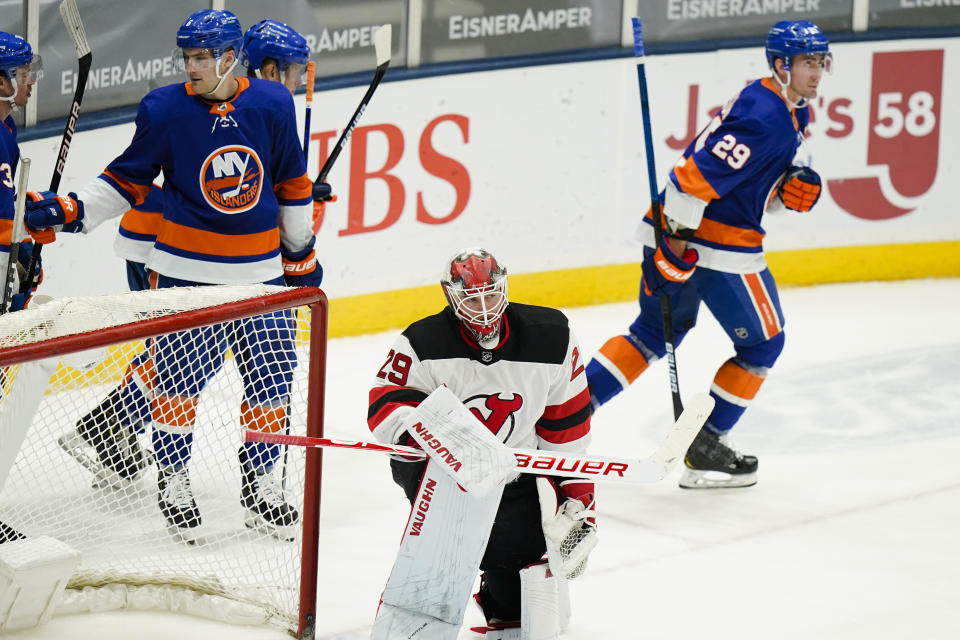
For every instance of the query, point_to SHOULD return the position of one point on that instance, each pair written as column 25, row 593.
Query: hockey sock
column 137, row 391
column 261, row 456
column 734, row 388
column 619, row 362
column 172, row 449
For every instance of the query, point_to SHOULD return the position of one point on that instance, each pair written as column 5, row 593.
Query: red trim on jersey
column 568, row 408
column 376, row 394
column 570, row 434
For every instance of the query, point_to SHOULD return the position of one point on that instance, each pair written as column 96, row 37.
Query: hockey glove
column 322, row 194
column 46, row 213
column 664, row 272
column 300, row 268
column 800, row 189
column 572, row 532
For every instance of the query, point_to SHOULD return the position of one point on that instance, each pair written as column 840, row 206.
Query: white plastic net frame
column 122, row 538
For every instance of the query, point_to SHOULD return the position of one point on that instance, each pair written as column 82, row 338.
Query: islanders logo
column 231, row 178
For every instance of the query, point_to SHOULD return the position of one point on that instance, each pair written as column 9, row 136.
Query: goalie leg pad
column 394, row 622
column 545, row 603
column 443, row 543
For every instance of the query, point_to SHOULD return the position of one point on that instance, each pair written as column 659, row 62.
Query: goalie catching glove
column 800, row 189
column 664, row 272
column 46, row 213
column 569, row 524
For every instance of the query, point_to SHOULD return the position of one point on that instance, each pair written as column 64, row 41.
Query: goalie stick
column 382, row 39
column 17, row 233
column 657, row 214
column 71, row 20
column 554, row 463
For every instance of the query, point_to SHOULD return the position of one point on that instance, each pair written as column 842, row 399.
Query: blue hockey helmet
column 273, row 39
column 15, row 52
column 216, row 30
column 789, row 38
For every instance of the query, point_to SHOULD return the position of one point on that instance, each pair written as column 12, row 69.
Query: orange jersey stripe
column 737, row 381
column 174, row 411
column 266, row 419
column 213, row 243
column 692, row 182
column 721, row 233
column 623, row 355
column 6, row 232
column 136, row 191
column 294, row 189
column 765, row 307
column 142, row 222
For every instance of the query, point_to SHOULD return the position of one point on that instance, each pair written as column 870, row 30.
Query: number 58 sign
column 904, row 134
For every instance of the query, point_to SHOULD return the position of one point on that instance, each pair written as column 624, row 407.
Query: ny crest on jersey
column 231, row 179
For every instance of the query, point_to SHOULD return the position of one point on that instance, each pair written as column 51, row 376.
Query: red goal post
column 119, row 531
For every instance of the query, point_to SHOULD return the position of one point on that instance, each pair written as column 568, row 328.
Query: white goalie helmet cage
column 475, row 285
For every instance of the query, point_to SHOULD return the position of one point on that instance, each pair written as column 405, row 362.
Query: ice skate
column 107, row 447
column 262, row 496
column 712, row 463
column 497, row 627
column 175, row 498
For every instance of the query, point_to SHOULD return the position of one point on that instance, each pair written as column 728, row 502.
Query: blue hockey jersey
column 728, row 175
column 235, row 184
column 9, row 158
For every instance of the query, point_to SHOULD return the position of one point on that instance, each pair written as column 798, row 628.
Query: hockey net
column 221, row 359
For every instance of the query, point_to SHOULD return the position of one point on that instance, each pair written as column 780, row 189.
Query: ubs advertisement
column 545, row 165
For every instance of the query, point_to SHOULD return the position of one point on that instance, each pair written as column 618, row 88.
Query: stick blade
column 71, row 20
column 382, row 39
column 674, row 447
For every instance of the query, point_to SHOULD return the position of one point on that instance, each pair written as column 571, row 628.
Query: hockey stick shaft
column 311, row 78
column 71, row 20
column 382, row 42
column 665, row 311
column 552, row 463
column 17, row 233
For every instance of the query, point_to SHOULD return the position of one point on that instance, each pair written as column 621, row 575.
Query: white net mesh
column 111, row 422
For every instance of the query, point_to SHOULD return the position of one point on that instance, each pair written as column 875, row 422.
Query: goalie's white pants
column 438, row 561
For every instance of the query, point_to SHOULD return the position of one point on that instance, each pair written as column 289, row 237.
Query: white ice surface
column 852, row 532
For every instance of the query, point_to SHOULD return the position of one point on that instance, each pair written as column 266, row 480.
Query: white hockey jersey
column 530, row 390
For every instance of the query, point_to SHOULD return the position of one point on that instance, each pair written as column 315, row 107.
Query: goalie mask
column 475, row 285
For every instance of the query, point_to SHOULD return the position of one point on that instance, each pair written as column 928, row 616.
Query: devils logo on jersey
column 495, row 412
column 231, row 178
